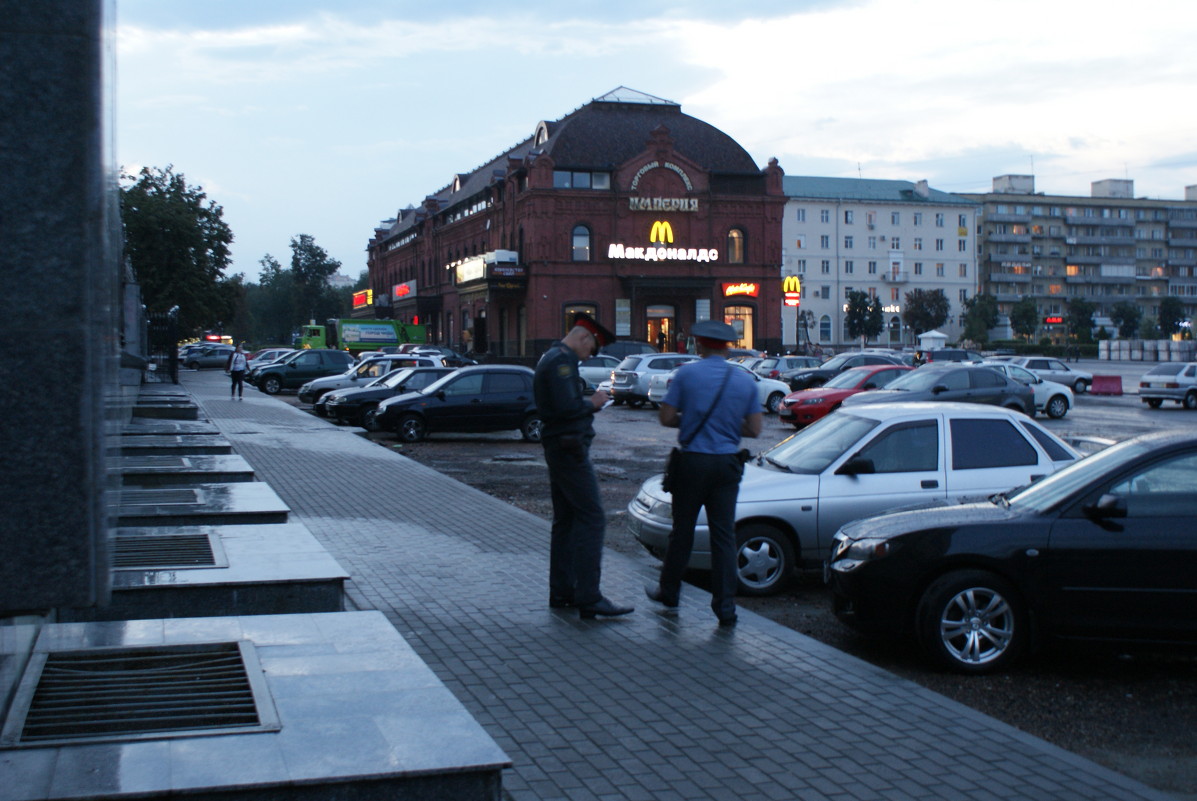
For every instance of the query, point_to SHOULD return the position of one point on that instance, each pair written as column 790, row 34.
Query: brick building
column 642, row 216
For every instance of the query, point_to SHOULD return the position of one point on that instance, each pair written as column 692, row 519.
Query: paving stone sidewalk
column 653, row 706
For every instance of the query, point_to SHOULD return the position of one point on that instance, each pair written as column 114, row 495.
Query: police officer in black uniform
column 579, row 522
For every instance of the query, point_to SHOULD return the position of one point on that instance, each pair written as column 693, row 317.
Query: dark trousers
column 711, row 481
column 579, row 522
column 238, row 387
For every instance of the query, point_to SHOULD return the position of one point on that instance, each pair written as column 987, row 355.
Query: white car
column 770, row 391
column 1051, row 398
column 362, row 373
column 597, row 369
column 854, row 463
column 629, row 380
column 1055, row 370
column 267, row 356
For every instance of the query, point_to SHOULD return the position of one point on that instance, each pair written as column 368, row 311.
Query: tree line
column 177, row 246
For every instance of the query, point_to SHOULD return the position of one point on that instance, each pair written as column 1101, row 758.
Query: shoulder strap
column 711, row 408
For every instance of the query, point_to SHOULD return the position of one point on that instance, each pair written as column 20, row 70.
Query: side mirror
column 869, row 385
column 856, row 466
column 938, row 388
column 1107, row 507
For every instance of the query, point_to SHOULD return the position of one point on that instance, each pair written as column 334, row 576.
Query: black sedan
column 807, row 377
column 359, row 405
column 951, row 381
column 475, row 398
column 1103, row 550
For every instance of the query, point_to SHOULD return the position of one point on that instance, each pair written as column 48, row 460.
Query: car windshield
column 918, row 380
column 847, row 379
column 836, row 362
column 812, row 449
column 1049, row 492
column 394, row 378
column 289, row 357
column 630, row 363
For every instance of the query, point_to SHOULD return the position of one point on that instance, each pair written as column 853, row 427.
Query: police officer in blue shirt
column 579, row 522
column 713, row 405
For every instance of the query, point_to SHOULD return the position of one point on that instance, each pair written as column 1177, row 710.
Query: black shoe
column 727, row 621
column 655, row 593
column 561, row 602
column 603, row 607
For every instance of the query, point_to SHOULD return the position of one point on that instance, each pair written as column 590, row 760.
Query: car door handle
column 929, row 483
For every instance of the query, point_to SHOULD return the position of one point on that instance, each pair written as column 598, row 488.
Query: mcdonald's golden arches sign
column 791, row 290
column 661, row 233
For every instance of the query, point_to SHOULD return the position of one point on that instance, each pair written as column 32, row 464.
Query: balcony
column 1012, row 278
column 1188, row 240
column 1022, row 239
column 900, row 277
column 1099, row 279
column 1006, row 218
column 1124, row 240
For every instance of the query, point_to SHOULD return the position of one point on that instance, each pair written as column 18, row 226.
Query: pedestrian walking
column 713, row 405
column 579, row 521
column 236, row 366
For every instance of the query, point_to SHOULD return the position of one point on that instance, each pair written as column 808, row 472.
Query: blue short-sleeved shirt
column 691, row 392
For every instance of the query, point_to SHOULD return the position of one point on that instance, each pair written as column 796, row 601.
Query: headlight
column 812, row 401
column 848, row 554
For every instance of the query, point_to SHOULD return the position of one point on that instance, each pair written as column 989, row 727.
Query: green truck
column 357, row 336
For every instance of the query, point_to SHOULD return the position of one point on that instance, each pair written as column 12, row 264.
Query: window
column 825, row 241
column 872, row 243
column 825, row 266
column 918, row 243
column 939, row 244
column 564, row 179
column 581, row 247
column 825, row 294
column 801, row 215
column 963, row 270
column 895, row 243
column 963, row 295
column 905, row 448
column 978, row 444
column 739, row 318
column 918, row 218
column 735, row 246
column 849, row 216
column 895, row 218
column 824, row 215
column 918, row 268
column 848, row 243
column 939, row 220
column 872, row 268
column 466, row 385
column 800, row 243
column 962, row 222
column 939, row 270
column 962, row 245
column 802, row 267
column 849, row 267
column 825, row 326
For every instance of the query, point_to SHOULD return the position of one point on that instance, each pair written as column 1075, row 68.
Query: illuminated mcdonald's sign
column 791, row 290
column 662, row 233
column 363, row 298
column 742, row 288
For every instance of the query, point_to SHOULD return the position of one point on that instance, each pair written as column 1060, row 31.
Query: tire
column 764, row 559
column 192, row 365
column 272, row 385
column 972, row 621
column 773, row 403
column 411, row 428
column 1154, row 403
column 1056, row 407
column 369, row 417
column 1190, row 401
column 531, row 428
column 1080, row 386
column 635, row 403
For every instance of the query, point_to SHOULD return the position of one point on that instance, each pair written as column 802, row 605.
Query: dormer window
column 542, row 134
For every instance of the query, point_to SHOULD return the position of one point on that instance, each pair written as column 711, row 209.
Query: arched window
column 824, row 328
column 735, row 246
column 581, row 243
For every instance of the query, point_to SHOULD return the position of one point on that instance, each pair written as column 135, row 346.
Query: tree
column 1079, row 319
column 864, row 318
column 1126, row 314
column 980, row 315
column 1024, row 317
column 311, row 268
column 1149, row 328
column 926, row 310
column 1172, row 314
column 178, row 245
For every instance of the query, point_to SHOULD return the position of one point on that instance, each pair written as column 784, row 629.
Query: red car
column 805, row 406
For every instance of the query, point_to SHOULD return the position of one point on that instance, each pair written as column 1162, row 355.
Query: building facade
column 882, row 237
column 626, row 209
column 1106, row 248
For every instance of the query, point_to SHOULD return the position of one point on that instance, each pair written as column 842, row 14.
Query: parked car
column 359, row 405
column 774, row 366
column 448, row 356
column 186, row 349
column 952, row 381
column 629, row 380
column 1102, row 550
column 1051, row 398
column 1170, row 381
column 952, row 355
column 806, row 377
column 622, row 348
column 363, row 373
column 858, row 462
column 267, row 355
column 805, row 406
column 1056, row 370
column 475, row 398
column 215, row 355
column 596, row 369
column 769, row 391
column 295, row 369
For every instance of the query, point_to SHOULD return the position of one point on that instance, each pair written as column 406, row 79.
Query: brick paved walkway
column 650, row 706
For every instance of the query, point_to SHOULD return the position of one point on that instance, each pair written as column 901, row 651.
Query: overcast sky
column 325, row 118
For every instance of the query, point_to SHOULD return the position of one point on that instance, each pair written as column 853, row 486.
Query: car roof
column 502, row 368
column 893, row 409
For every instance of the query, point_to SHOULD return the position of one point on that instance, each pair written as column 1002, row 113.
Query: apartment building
column 1105, row 248
column 885, row 238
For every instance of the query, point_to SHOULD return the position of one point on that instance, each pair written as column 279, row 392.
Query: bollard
column 1106, row 385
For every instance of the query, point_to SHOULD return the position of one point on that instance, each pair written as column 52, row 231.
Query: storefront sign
column 362, row 298
column 663, row 203
column 407, row 290
column 668, row 165
column 472, row 269
column 1053, row 320
column 745, row 288
column 791, row 290
column 661, row 235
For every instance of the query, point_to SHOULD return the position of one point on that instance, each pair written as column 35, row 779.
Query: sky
column 325, row 118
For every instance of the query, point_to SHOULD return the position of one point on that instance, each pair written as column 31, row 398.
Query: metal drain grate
column 167, row 551
column 146, row 497
column 140, row 693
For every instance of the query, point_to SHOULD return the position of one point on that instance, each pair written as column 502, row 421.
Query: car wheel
column 972, row 621
column 1154, row 403
column 1056, row 407
column 412, row 428
column 369, row 417
column 635, row 403
column 531, row 428
column 774, row 402
column 654, row 405
column 320, row 409
column 272, row 385
column 1190, row 401
column 192, row 365
column 1080, row 386
column 764, row 559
